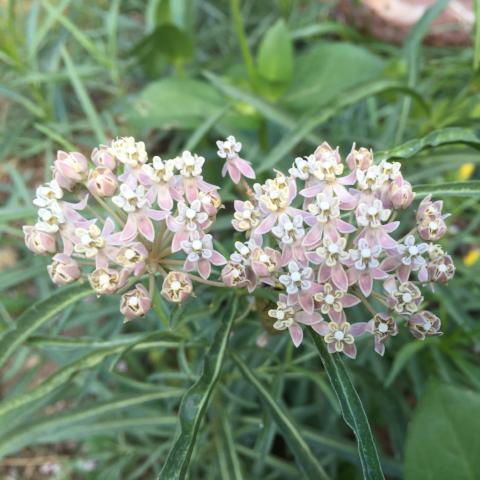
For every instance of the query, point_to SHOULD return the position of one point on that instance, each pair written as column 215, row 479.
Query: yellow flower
column 471, row 257
column 466, row 171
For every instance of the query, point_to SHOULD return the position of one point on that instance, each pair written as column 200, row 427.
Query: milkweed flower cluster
column 326, row 237
column 118, row 216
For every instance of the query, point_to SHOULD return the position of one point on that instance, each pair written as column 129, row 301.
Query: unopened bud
column 177, row 287
column 63, row 269
column 41, row 243
column 102, row 182
column 135, row 303
column 69, row 169
column 106, row 281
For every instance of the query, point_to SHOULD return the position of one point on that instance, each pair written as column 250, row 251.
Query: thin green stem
column 239, row 28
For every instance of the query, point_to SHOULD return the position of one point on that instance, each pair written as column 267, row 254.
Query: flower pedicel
column 324, row 236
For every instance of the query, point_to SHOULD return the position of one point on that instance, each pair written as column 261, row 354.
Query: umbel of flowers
column 323, row 236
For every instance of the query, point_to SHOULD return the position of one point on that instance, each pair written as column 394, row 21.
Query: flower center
column 330, row 299
column 383, row 328
column 175, row 285
column 296, row 277
column 427, row 325
column 339, row 335
column 406, row 297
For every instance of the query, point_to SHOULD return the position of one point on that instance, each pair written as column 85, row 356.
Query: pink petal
column 178, row 238
column 191, row 189
column 390, row 263
column 204, row 268
column 310, row 192
column 344, row 227
column 386, row 241
column 358, row 329
column 404, row 273
column 349, row 300
column 390, row 227
column 306, row 301
column 308, row 318
column 321, row 328
column 266, row 225
column 380, row 348
column 156, row 214
column 324, row 273
column 339, row 278
column 296, row 333
column 108, row 227
column 145, row 227
column 245, row 168
column 129, row 232
column 350, row 350
column 365, row 282
column 164, row 198
column 314, row 236
column 233, row 172
column 217, row 258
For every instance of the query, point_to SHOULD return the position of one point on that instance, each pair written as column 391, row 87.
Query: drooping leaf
column 443, row 441
column 38, row 314
column 446, row 136
column 304, row 457
column 352, row 409
column 195, row 401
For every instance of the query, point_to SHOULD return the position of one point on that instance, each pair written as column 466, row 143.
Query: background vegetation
column 99, row 398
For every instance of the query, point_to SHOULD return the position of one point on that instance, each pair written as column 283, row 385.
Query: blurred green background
column 282, row 76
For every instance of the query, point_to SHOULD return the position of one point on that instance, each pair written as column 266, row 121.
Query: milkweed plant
column 319, row 239
column 322, row 237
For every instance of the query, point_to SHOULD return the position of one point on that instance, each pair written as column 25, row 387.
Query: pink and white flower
column 234, row 165
column 331, row 302
column 201, row 255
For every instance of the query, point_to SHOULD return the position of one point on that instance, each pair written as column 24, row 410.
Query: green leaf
column 173, row 102
column 438, row 138
column 275, row 54
column 304, row 457
column 352, row 409
column 443, row 441
column 167, row 40
column 476, row 55
column 406, row 353
column 38, row 314
column 195, row 401
column 319, row 76
column 311, row 121
column 60, row 424
column 452, row 189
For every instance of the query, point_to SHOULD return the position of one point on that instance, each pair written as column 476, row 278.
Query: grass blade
column 309, row 123
column 352, row 410
column 83, row 97
column 195, row 401
column 304, row 457
column 37, row 315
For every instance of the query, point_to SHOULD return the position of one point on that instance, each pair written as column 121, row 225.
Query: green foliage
column 186, row 390
column 446, row 420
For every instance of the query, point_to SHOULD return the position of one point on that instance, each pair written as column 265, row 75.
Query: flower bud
column 106, row 281
column 428, row 210
column 102, row 182
column 177, row 287
column 441, row 270
column 132, row 257
column 135, row 303
column 234, row 275
column 63, row 269
column 400, row 193
column 103, row 158
column 361, row 158
column 41, row 243
column 432, row 228
column 423, row 324
column 69, row 169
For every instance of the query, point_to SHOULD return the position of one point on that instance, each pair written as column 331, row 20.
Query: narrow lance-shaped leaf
column 446, row 136
column 304, row 457
column 38, row 314
column 60, row 424
column 451, row 189
column 352, row 410
column 195, row 401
